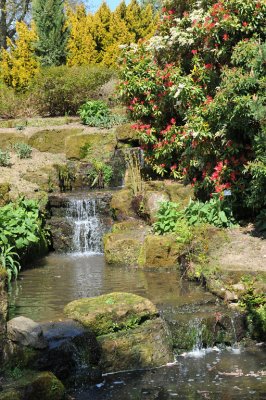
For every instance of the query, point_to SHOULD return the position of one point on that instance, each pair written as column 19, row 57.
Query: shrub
column 97, row 113
column 23, row 150
column 62, row 90
column 198, row 89
column 4, row 158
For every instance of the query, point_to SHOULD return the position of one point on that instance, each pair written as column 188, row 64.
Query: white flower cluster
column 157, row 43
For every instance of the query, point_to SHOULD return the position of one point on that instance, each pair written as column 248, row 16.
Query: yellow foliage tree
column 18, row 63
column 118, row 35
column 140, row 20
column 81, row 47
column 100, row 30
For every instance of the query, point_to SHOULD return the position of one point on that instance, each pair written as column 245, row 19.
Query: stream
column 42, row 291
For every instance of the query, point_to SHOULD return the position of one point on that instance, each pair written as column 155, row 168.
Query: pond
column 230, row 373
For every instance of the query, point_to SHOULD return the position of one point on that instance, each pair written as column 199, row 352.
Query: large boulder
column 148, row 345
column 26, row 332
column 152, row 202
column 128, row 328
column 111, row 312
column 52, row 140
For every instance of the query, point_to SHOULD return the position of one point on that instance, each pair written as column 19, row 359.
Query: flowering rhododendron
column 197, row 88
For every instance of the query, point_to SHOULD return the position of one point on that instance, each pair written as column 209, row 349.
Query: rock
column 148, row 345
column 126, row 134
column 11, row 395
column 7, row 139
column 4, row 193
column 230, row 296
column 44, row 386
column 239, row 288
column 62, row 233
column 159, row 251
column 124, row 247
column 111, row 312
column 26, row 332
column 121, row 205
column 101, row 144
column 152, row 201
column 178, row 192
column 73, row 352
column 52, row 140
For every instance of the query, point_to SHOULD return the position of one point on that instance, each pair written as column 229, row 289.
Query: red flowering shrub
column 198, row 90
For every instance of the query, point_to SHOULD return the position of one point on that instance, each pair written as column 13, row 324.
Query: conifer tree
column 80, row 45
column 49, row 17
column 19, row 64
column 118, row 35
column 100, row 30
column 140, row 20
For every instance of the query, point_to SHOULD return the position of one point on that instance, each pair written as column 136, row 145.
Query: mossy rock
column 125, row 133
column 179, row 193
column 121, row 205
column 148, row 345
column 44, row 386
column 127, row 225
column 46, row 178
column 151, row 203
column 111, row 312
column 11, row 395
column 7, row 139
column 160, row 251
column 52, row 140
column 4, row 193
column 123, row 248
column 101, row 145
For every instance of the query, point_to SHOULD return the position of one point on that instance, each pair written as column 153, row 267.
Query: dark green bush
column 62, row 90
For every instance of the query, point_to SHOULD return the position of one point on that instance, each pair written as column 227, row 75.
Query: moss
column 148, row 345
column 44, row 386
column 4, row 193
column 123, row 248
column 52, row 140
column 111, row 312
column 125, row 133
column 121, row 205
column 19, row 357
column 10, row 395
column 179, row 193
column 7, row 139
column 101, row 145
column 128, row 225
column 159, row 251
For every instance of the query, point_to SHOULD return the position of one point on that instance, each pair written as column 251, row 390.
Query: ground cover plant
column 198, row 91
column 97, row 113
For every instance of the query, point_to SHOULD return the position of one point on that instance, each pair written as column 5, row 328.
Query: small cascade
column 88, row 228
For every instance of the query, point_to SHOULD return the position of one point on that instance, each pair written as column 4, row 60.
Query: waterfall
column 88, row 228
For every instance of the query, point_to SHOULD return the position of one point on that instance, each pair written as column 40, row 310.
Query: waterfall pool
column 42, row 292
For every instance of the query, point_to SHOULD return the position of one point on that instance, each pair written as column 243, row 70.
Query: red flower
column 162, row 165
column 194, row 52
column 208, row 66
column 173, row 121
column 173, row 167
column 225, row 37
column 244, row 23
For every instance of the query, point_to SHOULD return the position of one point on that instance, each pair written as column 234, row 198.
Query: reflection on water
column 42, row 292
column 216, row 376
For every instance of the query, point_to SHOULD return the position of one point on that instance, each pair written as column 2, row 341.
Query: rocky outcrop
column 26, row 332
column 128, row 328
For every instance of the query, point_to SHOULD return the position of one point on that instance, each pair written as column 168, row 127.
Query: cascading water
column 88, row 228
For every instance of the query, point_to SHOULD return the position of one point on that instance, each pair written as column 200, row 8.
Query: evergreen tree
column 80, row 46
column 49, row 17
column 19, row 64
column 140, row 21
column 100, row 31
column 118, row 35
